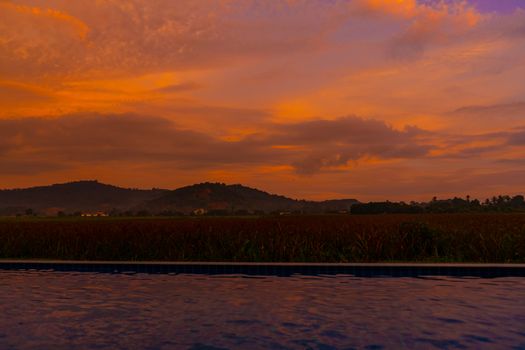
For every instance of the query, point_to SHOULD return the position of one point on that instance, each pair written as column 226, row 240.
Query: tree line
column 454, row 205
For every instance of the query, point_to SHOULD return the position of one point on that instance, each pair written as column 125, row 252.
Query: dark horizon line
column 467, row 197
column 174, row 189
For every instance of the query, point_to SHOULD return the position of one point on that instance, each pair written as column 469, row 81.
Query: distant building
column 96, row 214
column 200, row 211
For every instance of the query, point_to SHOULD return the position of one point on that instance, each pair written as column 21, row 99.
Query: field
column 338, row 238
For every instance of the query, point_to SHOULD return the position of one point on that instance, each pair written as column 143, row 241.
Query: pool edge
column 272, row 269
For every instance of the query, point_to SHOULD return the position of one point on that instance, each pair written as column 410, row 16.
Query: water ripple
column 59, row 310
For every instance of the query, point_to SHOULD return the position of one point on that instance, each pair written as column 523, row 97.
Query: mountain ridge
column 93, row 196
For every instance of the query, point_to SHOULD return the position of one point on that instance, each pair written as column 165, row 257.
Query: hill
column 220, row 198
column 72, row 197
column 212, row 198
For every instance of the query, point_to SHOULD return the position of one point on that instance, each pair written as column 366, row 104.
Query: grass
column 496, row 238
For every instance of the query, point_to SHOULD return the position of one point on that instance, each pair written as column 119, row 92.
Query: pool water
column 85, row 310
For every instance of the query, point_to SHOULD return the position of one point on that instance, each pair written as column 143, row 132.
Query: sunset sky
column 367, row 99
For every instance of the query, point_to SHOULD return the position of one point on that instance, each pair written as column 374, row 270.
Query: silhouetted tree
column 453, row 205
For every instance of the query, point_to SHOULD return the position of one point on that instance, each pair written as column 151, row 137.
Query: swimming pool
column 93, row 310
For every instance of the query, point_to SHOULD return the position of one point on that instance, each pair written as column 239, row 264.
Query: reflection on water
column 57, row 310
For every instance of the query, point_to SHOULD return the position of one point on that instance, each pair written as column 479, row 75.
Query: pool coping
column 404, row 269
column 237, row 263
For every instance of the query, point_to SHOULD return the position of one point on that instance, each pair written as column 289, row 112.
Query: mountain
column 73, row 196
column 221, row 199
column 213, row 198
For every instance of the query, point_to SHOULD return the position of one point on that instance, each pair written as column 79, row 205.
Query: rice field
column 495, row 238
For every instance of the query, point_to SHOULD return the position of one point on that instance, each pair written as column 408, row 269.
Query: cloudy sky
column 372, row 99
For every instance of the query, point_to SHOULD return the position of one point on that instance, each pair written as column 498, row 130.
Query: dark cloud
column 349, row 130
column 94, row 139
column 467, row 146
column 182, row 87
column 103, row 138
column 332, row 143
column 511, row 162
column 496, row 111
column 517, row 138
column 470, row 152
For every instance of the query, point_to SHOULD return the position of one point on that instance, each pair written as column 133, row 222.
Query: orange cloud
column 81, row 28
column 406, row 8
column 458, row 10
